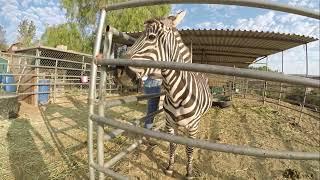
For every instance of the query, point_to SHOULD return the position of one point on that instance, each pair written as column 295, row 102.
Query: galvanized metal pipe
column 102, row 87
column 242, row 150
column 280, row 94
column 121, row 35
column 305, row 89
column 125, row 152
column 214, row 69
column 92, row 91
column 118, row 132
column 249, row 3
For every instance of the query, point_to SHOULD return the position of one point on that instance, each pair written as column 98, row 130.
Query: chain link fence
column 42, row 74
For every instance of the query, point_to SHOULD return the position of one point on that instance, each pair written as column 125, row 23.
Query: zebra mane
column 166, row 21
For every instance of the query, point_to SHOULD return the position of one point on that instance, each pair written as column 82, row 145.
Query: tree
column 27, row 32
column 85, row 12
column 3, row 44
column 66, row 34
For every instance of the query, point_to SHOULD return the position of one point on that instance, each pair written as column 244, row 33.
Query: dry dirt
column 50, row 143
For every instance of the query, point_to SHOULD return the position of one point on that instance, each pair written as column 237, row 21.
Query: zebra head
column 159, row 41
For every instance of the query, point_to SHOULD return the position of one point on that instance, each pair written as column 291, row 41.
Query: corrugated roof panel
column 232, row 43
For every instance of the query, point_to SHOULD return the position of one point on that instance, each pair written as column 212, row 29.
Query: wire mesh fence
column 41, row 75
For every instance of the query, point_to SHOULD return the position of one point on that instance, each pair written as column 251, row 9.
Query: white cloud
column 42, row 12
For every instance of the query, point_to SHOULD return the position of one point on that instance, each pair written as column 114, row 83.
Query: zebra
column 187, row 93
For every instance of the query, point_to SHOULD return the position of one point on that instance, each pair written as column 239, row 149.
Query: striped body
column 187, row 93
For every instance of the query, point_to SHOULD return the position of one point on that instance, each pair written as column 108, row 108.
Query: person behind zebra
column 188, row 94
column 151, row 85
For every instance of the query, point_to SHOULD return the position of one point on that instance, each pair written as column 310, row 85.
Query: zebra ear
column 178, row 18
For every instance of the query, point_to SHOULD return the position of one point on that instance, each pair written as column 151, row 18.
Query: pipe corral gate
column 101, row 120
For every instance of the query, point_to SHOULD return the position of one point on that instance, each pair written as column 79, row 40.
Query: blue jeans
column 153, row 104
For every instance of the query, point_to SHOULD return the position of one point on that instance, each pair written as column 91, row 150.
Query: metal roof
column 237, row 48
column 56, row 53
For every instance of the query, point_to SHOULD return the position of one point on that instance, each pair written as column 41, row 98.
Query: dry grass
column 51, row 143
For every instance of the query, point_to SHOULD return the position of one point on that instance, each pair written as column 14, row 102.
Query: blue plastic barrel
column 9, row 79
column 1, row 78
column 43, row 97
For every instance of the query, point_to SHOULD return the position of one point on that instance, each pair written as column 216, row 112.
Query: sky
column 49, row 12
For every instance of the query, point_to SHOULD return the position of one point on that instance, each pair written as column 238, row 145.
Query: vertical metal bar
column 55, row 82
column 233, row 84
column 265, row 84
column 305, row 89
column 246, row 87
column 82, row 72
column 280, row 93
column 92, row 89
column 102, row 91
column 37, row 63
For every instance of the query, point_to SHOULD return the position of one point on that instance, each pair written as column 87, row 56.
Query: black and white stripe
column 187, row 93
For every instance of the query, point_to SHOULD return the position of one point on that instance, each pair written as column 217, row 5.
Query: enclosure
column 78, row 136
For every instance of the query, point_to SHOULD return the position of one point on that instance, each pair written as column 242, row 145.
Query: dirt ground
column 50, row 143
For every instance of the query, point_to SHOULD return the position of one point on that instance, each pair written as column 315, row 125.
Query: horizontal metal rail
column 116, row 102
column 42, row 57
column 214, row 69
column 125, row 152
column 248, row 3
column 242, row 150
column 118, row 132
column 121, row 35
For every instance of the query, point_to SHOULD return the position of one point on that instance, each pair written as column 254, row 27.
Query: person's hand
column 99, row 56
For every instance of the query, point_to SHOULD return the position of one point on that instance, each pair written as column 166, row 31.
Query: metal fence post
column 246, row 88
column 92, row 89
column 55, row 82
column 265, row 85
column 305, row 89
column 37, row 63
column 233, row 84
column 280, row 93
column 82, row 72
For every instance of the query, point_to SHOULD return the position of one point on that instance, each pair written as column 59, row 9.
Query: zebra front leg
column 172, row 149
column 189, row 151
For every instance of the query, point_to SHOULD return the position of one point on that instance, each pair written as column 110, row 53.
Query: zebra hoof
column 168, row 172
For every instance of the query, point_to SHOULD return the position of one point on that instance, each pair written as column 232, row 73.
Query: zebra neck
column 173, row 81
column 181, row 52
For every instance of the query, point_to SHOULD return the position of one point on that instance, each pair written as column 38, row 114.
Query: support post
column 55, row 82
column 92, row 89
column 36, row 89
column 246, row 88
column 280, row 93
column 233, row 84
column 265, row 85
column 82, row 72
column 305, row 89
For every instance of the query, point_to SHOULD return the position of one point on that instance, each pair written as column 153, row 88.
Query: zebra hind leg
column 189, row 151
column 172, row 149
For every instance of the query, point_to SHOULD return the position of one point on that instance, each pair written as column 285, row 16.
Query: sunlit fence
column 43, row 76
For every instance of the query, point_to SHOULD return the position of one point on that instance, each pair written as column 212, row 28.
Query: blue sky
column 49, row 12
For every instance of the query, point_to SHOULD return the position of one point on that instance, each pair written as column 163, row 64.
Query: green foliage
column 27, row 32
column 85, row 12
column 66, row 34
column 3, row 44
